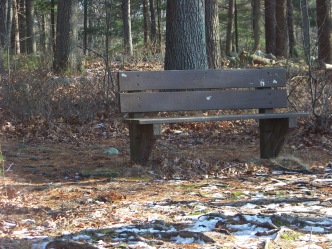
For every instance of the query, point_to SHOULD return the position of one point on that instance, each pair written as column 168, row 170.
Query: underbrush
column 311, row 91
column 37, row 94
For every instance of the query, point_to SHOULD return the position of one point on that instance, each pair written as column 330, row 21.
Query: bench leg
column 272, row 136
column 142, row 139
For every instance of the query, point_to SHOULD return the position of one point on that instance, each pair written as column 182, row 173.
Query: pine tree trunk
column 291, row 35
column 212, row 34
column 126, row 18
column 324, row 25
column 281, row 31
column 256, row 22
column 3, row 21
column 270, row 26
column 30, row 19
column 153, row 27
column 22, row 25
column 305, row 30
column 145, row 23
column 16, row 33
column 230, row 22
column 185, row 35
column 67, row 54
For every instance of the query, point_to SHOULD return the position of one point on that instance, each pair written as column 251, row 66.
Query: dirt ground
column 63, row 184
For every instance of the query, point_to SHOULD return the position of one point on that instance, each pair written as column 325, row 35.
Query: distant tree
column 153, row 26
column 212, row 33
column 229, row 31
column 159, row 26
column 22, row 25
column 185, row 35
column 281, row 31
column 291, row 34
column 145, row 23
column 30, row 26
column 324, row 25
column 305, row 30
column 270, row 26
column 3, row 22
column 67, row 55
column 256, row 11
column 126, row 18
column 16, row 34
column 53, row 26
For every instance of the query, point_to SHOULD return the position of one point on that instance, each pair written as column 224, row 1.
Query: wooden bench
column 145, row 93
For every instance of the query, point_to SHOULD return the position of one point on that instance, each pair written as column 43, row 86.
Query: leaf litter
column 202, row 189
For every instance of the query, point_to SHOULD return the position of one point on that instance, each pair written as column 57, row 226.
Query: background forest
column 56, row 57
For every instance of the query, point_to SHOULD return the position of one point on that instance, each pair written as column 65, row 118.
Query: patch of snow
column 40, row 245
column 204, row 224
column 82, row 237
column 250, row 206
column 311, row 246
column 313, row 229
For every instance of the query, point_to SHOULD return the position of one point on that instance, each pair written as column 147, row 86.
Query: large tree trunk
column 126, row 18
column 53, row 40
column 212, row 33
column 22, row 25
column 185, row 35
column 3, row 21
column 67, row 55
column 305, row 30
column 229, row 31
column 256, row 12
column 30, row 19
column 270, row 26
column 291, row 35
column 15, row 31
column 159, row 26
column 281, row 33
column 145, row 23
column 324, row 25
column 153, row 27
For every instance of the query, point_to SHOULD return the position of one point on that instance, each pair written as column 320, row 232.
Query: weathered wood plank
column 168, row 120
column 202, row 100
column 201, row 79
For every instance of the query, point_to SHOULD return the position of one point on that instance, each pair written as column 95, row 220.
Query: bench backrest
column 189, row 90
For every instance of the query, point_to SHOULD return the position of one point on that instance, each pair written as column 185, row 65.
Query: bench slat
column 201, row 79
column 202, row 100
column 168, row 120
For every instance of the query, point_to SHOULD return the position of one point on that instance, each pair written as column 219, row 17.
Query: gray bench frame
column 150, row 92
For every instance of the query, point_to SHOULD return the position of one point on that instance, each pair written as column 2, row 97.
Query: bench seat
column 183, row 119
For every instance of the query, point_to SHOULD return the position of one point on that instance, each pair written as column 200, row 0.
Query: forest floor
column 205, row 187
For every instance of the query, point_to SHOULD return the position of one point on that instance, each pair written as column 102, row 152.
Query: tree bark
column 126, row 18
column 270, row 26
column 256, row 4
column 324, row 25
column 291, row 35
column 145, row 23
column 16, row 33
column 53, row 40
column 230, row 22
column 3, row 21
column 212, row 34
column 22, row 25
column 185, row 35
column 305, row 30
column 153, row 27
column 67, row 55
column 30, row 20
column 281, row 32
